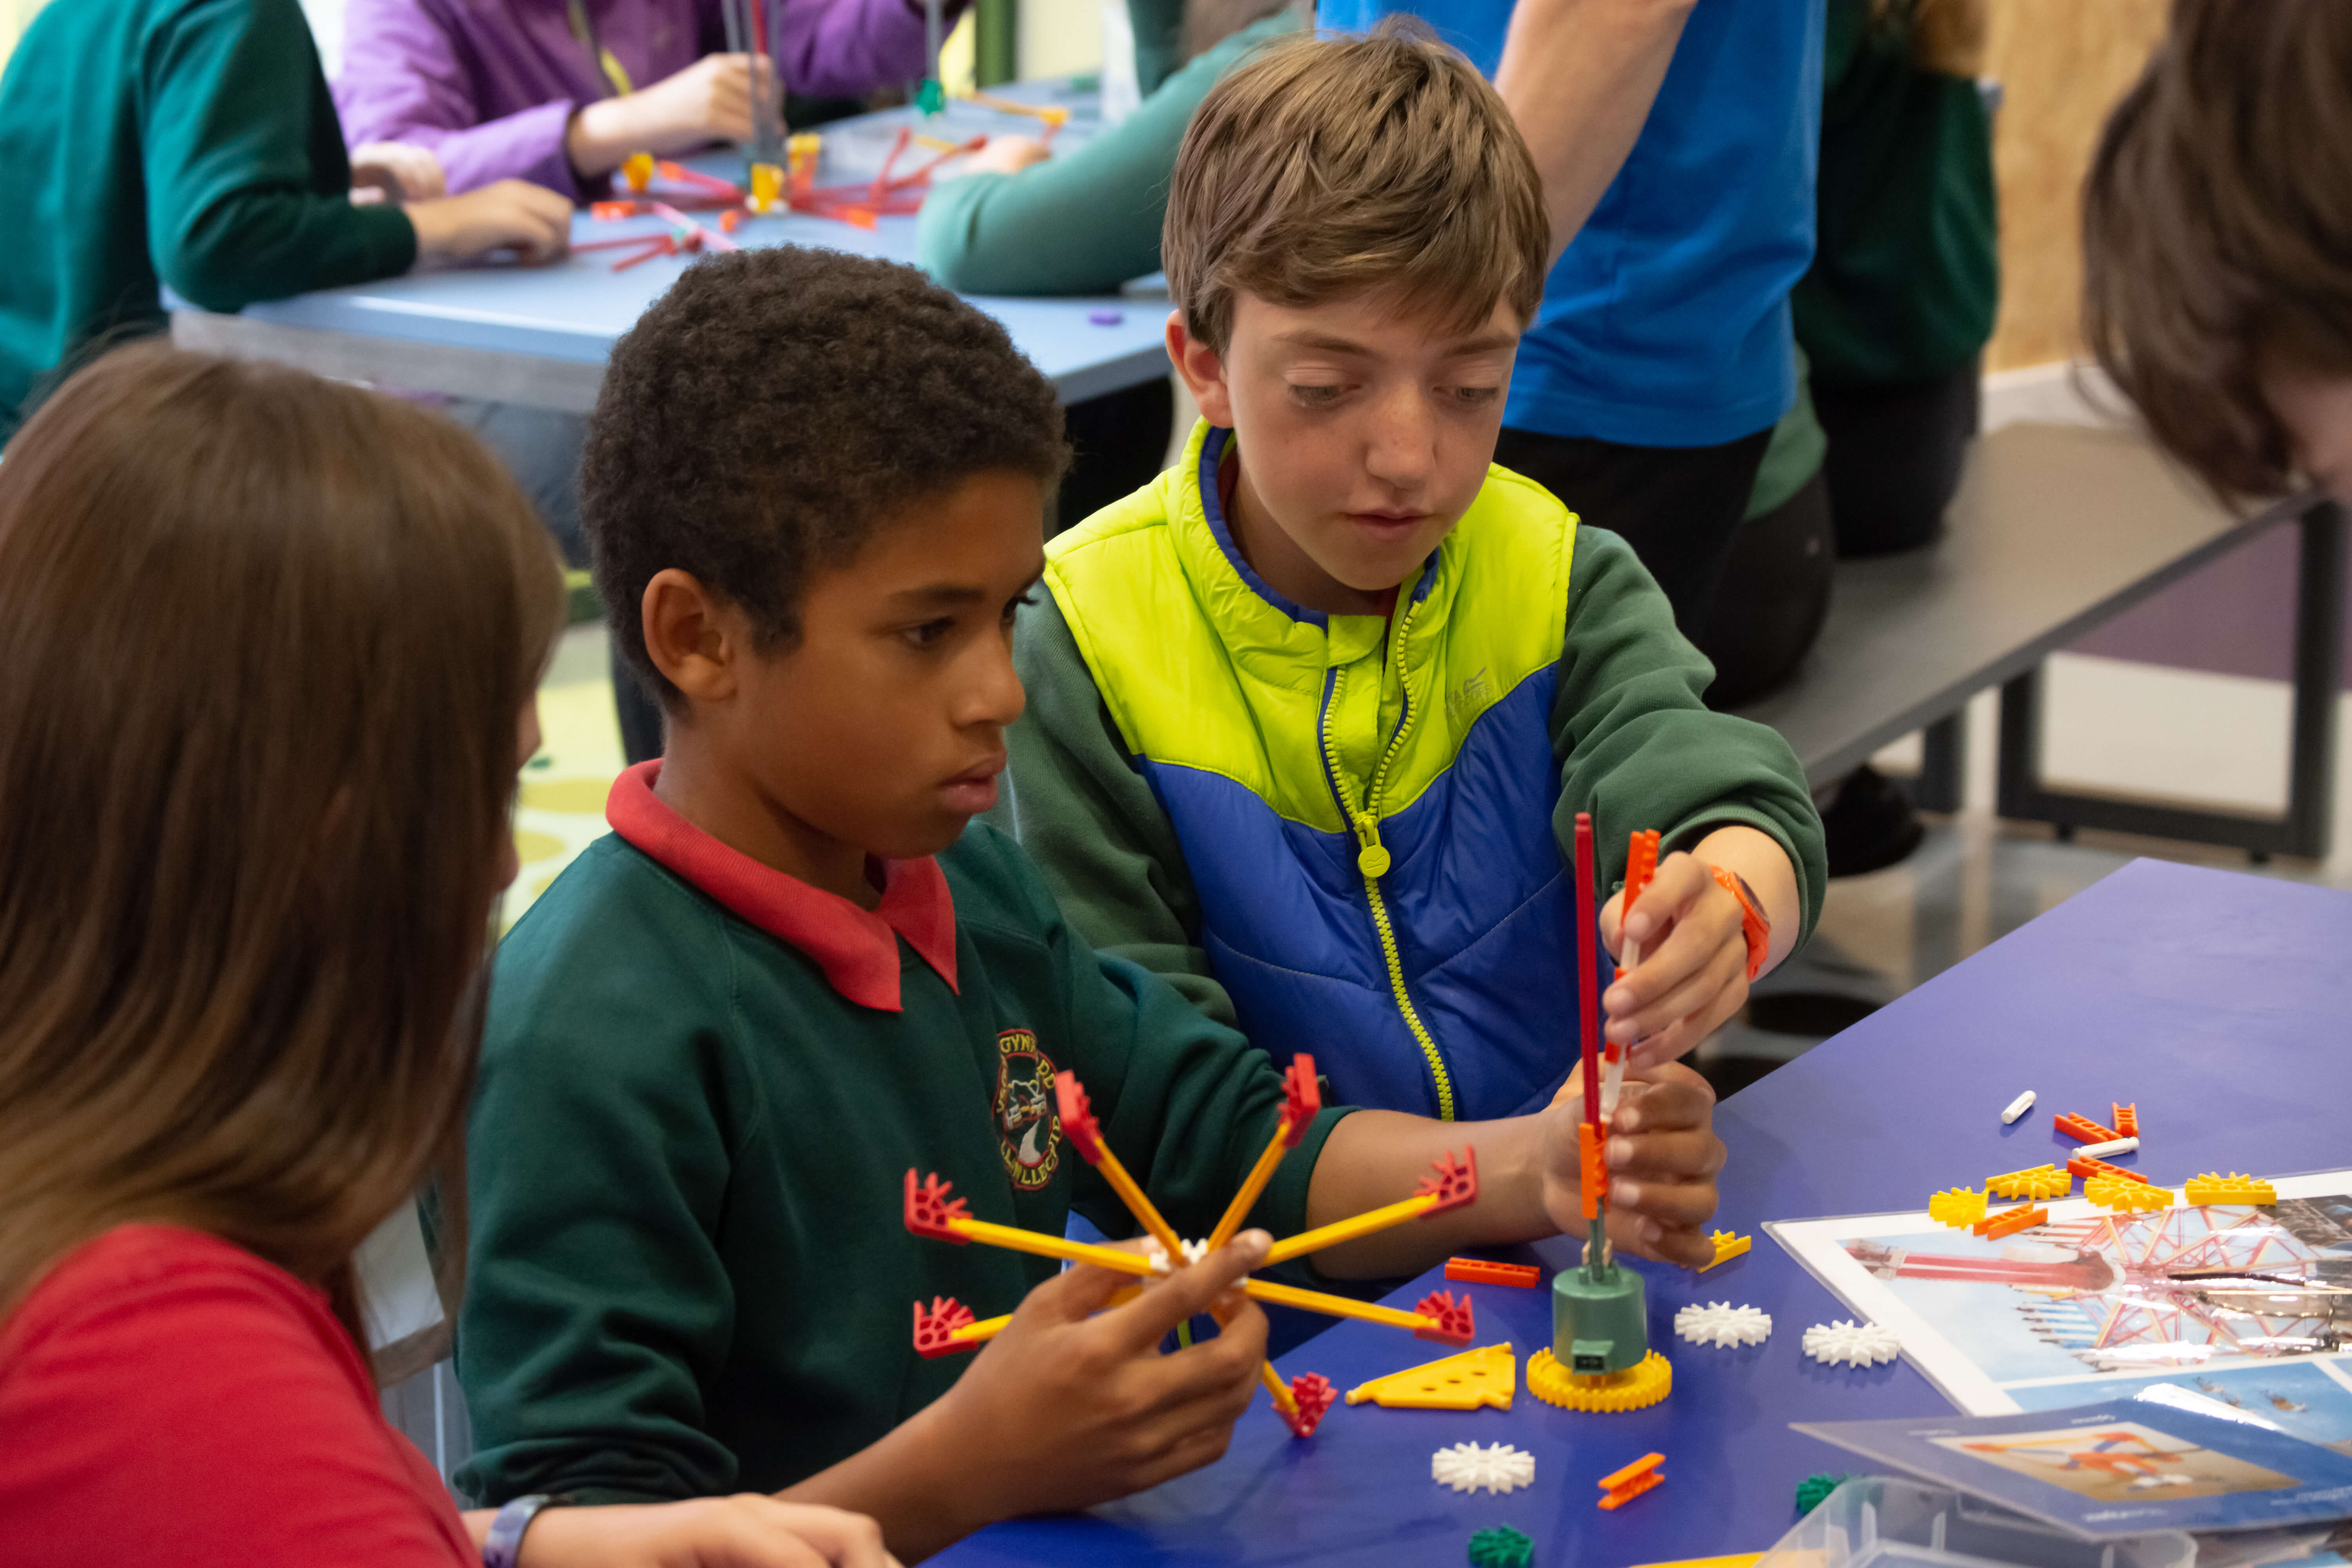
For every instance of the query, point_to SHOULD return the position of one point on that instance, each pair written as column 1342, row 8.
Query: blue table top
column 574, row 308
column 2217, row 1001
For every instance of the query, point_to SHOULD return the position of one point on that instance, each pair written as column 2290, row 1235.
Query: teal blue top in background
column 1665, row 323
column 1087, row 221
column 191, row 143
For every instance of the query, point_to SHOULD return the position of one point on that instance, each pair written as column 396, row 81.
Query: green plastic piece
column 930, row 97
column 1600, row 1321
column 1813, row 1490
column 1500, row 1546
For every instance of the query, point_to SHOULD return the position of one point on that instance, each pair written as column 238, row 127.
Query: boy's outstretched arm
column 1580, row 76
column 1662, row 1150
column 1063, row 1410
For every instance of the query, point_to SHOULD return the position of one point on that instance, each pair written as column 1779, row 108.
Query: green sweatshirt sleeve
column 1085, row 816
column 1084, row 222
column 1638, row 749
column 600, row 1153
column 247, row 182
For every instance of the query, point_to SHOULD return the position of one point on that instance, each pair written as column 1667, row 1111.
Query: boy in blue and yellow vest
column 718, row 1041
column 1312, row 714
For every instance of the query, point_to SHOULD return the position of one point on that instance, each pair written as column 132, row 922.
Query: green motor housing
column 1599, row 1319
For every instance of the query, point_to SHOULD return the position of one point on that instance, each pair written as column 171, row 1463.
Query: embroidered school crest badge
column 1028, row 1128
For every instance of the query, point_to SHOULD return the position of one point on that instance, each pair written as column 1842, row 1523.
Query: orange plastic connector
column 2126, row 1120
column 2009, row 1222
column 2086, row 1167
column 1594, row 1174
column 1623, row 1487
column 1479, row 1271
column 637, row 170
column 1641, row 864
column 2083, row 1130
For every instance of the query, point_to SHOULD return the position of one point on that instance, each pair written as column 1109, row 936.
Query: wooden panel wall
column 2062, row 64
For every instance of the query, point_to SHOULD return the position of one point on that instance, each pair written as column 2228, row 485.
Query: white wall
column 327, row 26
column 1060, row 37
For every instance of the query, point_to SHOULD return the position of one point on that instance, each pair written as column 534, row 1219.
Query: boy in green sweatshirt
column 717, row 1044
column 193, row 143
column 1314, row 713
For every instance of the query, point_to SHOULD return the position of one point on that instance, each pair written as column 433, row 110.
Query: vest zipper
column 1372, row 860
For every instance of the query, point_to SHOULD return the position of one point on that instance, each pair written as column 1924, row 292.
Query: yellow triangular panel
column 1467, row 1381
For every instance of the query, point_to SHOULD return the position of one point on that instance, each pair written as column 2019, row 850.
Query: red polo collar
column 856, row 948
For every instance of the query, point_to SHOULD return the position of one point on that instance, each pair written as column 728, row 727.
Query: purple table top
column 2219, row 1002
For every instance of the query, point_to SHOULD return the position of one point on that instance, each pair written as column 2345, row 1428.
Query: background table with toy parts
column 2221, row 1002
column 541, row 335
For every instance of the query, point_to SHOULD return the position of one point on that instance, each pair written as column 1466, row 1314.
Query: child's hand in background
column 1063, row 1410
column 1662, row 1153
column 1691, row 974
column 709, row 100
column 1002, row 156
column 396, row 172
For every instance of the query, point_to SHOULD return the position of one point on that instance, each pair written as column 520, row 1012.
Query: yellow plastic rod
column 1365, row 1224
column 1138, row 1205
column 1279, row 1389
column 1334, row 1306
column 1230, row 1224
column 1043, row 1246
column 981, row 1331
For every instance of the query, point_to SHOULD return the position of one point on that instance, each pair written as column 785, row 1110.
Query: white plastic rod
column 2017, row 1108
column 2100, row 1151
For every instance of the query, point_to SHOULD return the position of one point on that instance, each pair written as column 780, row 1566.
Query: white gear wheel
column 1721, row 1324
column 1856, row 1344
column 1468, row 1467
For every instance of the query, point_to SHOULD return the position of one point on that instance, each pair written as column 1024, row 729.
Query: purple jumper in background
column 489, row 85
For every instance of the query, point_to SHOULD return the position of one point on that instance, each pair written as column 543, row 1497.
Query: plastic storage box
column 1883, row 1521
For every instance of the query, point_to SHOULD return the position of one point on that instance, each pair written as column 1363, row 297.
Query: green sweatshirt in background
column 1905, row 278
column 689, row 1271
column 1085, row 221
column 183, row 142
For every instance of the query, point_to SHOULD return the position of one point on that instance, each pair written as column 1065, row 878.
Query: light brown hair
column 1325, row 168
column 267, row 638
column 2217, row 230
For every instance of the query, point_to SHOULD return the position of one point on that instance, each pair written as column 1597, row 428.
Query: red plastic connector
column 1454, row 1184
column 2126, row 1120
column 1078, row 1123
column 1479, row 1271
column 1313, row 1394
column 1454, row 1325
column 933, row 1328
column 2083, row 1130
column 2085, row 1166
column 928, row 1208
column 1305, row 1099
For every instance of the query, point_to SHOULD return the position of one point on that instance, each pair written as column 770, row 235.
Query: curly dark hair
column 775, row 408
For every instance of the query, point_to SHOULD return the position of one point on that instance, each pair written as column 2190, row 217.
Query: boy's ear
column 1203, row 370
column 689, row 635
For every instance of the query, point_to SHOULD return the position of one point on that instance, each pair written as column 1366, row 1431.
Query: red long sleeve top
column 167, row 1397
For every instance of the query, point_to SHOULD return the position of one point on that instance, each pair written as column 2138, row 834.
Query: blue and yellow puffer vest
column 1364, row 803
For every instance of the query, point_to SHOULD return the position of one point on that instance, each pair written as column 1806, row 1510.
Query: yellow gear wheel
column 1638, row 1387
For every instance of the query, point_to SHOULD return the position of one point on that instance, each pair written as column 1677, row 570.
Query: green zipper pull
column 1372, row 859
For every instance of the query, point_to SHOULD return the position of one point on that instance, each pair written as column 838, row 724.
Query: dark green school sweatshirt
column 689, row 1271
column 1906, row 277
column 188, row 143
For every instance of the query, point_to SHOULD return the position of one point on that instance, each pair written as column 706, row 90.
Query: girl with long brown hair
column 268, row 651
